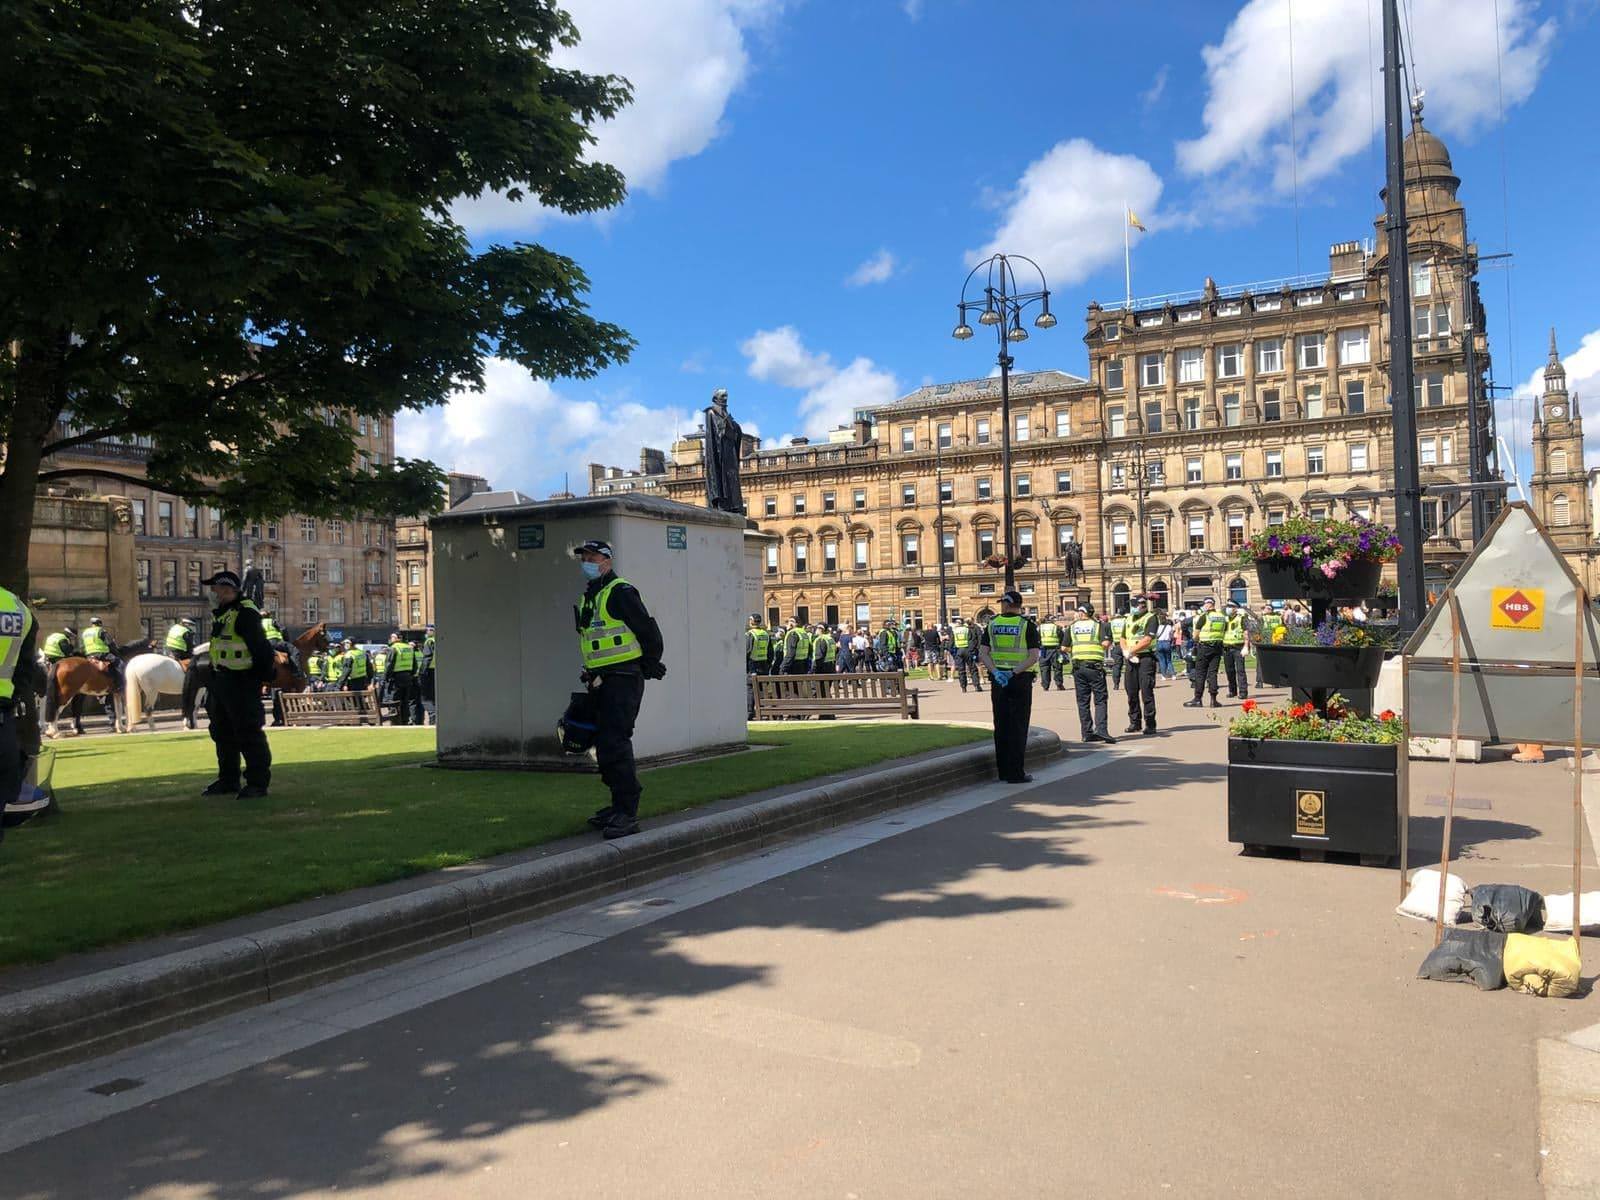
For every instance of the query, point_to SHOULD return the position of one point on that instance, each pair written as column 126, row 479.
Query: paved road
column 1076, row 988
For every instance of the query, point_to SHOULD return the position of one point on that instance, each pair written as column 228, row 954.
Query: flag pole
column 1127, row 258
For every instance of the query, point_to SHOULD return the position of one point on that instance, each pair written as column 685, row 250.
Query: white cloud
column 1338, row 83
column 1066, row 211
column 913, row 8
column 877, row 269
column 1583, row 380
column 1151, row 96
column 832, row 394
column 519, row 432
column 685, row 59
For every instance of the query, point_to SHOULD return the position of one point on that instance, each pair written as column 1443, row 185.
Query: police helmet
column 348, row 643
column 94, row 620
column 189, row 621
column 578, row 725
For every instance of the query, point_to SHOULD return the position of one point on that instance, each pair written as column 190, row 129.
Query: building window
column 981, row 434
column 196, row 571
column 908, row 495
column 772, row 560
column 769, row 505
column 1316, row 460
column 1191, row 412
column 169, row 577
column 1119, row 539
column 1232, row 414
column 1430, row 390
column 1309, row 348
column 416, row 574
column 1025, row 544
column 1233, row 467
column 1119, row 476
column 947, row 491
column 1274, row 464
column 1191, row 364
column 191, row 521
column 1235, row 531
column 336, row 532
column 336, row 572
column 1358, row 456
column 1271, row 405
column 985, row 544
column 1268, row 303
column 1275, row 516
column 143, row 570
column 1022, row 427
column 1558, row 462
column 1113, row 374
column 830, row 556
column 946, row 437
column 908, row 437
column 1269, row 354
column 1024, row 486
column 1430, row 517
column 1446, row 450
column 1197, row 533
column 138, row 517
column 1561, row 510
column 1422, row 278
column 1355, row 397
column 1152, row 417
column 859, row 499
column 861, row 552
column 1152, row 370
column 800, row 549
column 1193, row 470
column 986, row 589
column 1063, row 422
column 416, row 613
column 1116, row 421
column 1230, row 360
column 947, row 547
column 827, row 502
column 308, row 610
column 164, row 518
column 984, row 489
column 1111, row 330
column 1063, row 482
column 1314, row 405
column 1066, row 535
column 799, row 505
column 308, row 529
column 336, row 609
column 1158, row 535
column 1355, row 347
column 308, row 570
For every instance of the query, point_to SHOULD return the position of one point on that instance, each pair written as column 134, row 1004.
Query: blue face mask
column 591, row 570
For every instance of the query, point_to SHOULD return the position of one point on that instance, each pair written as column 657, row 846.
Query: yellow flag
column 1135, row 222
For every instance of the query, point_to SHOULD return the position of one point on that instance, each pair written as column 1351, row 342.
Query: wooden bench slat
column 857, row 693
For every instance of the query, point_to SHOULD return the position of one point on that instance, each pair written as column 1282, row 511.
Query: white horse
column 150, row 676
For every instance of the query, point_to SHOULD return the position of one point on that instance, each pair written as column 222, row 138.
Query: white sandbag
column 1558, row 912
column 1422, row 901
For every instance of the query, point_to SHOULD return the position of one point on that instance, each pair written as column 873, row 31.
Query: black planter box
column 1288, row 579
column 1315, row 796
column 1331, row 668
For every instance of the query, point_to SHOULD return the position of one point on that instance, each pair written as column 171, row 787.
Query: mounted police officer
column 1139, row 659
column 964, row 641
column 1009, row 649
column 99, row 646
column 179, row 643
column 1209, row 629
column 241, row 661
column 1089, row 640
column 1050, row 664
column 56, row 647
column 402, row 677
column 621, row 646
column 275, row 638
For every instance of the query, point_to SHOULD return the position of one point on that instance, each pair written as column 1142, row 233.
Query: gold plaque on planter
column 1311, row 813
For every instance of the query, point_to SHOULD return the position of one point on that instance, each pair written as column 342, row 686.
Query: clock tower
column 1560, row 484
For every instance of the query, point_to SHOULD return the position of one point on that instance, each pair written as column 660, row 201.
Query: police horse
column 77, row 677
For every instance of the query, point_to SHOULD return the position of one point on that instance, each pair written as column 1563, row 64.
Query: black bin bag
column 1475, row 955
column 1507, row 908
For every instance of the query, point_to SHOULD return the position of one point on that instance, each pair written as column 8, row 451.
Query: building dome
column 1425, row 157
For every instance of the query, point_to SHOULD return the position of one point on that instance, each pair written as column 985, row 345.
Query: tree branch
column 82, row 439
column 118, row 477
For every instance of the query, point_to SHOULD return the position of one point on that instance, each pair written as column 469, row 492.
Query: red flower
column 1302, row 710
column 1248, row 706
column 1387, row 714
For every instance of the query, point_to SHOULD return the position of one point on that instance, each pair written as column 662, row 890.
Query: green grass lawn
column 138, row 852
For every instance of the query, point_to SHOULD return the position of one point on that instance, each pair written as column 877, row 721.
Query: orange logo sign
column 1516, row 608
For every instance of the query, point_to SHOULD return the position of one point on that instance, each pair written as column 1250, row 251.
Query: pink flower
column 1330, row 569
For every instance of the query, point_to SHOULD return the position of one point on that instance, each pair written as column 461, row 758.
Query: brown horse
column 287, row 675
column 76, row 677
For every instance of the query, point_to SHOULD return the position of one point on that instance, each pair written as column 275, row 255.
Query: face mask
column 591, row 570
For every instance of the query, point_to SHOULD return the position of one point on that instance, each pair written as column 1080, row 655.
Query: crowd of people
column 399, row 673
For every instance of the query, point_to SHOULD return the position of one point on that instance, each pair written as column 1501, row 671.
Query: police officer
column 355, row 668
column 56, row 647
column 796, row 650
column 1050, row 664
column 1117, row 622
column 380, row 674
column 1089, row 641
column 317, row 670
column 402, row 677
column 621, row 647
column 179, row 643
column 331, row 666
column 101, row 647
column 1233, row 651
column 1209, row 628
column 887, row 647
column 1139, row 656
column 422, row 712
column 824, row 649
column 757, row 660
column 19, row 677
column 1009, row 649
column 964, row 641
column 1270, row 623
column 241, row 661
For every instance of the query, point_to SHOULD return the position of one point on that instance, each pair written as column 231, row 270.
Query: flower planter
column 1315, row 795
column 1290, row 579
column 1325, row 668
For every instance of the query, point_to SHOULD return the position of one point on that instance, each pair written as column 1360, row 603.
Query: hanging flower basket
column 1320, row 558
column 997, row 561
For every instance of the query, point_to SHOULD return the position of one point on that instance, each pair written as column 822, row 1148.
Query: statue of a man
column 723, row 439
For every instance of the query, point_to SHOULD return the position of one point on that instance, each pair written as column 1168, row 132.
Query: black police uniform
column 1089, row 683
column 618, row 691
column 233, row 706
column 403, row 686
column 1012, row 706
column 1139, row 678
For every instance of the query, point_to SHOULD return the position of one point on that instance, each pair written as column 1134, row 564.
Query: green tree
column 220, row 222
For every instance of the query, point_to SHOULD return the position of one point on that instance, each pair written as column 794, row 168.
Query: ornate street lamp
column 1002, row 303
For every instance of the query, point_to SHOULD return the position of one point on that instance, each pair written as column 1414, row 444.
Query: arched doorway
column 1119, row 599
column 1158, row 589
column 1238, row 592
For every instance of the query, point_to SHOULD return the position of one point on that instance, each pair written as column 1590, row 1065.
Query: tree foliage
column 220, row 221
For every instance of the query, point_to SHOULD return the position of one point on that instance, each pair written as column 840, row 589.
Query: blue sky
column 811, row 179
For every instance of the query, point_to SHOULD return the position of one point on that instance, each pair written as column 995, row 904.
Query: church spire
column 1555, row 375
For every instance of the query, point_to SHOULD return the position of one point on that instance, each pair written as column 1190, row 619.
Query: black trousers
column 1052, row 666
column 617, row 696
column 967, row 662
column 422, row 706
column 1089, row 681
column 1238, row 679
column 1115, row 661
column 752, row 669
column 233, row 705
column 10, row 760
column 1140, row 683
column 1012, row 706
column 1206, row 660
column 403, row 687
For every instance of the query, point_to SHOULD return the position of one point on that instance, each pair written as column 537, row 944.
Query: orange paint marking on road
column 1206, row 893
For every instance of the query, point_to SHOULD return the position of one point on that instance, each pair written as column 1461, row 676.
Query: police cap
column 593, row 544
column 223, row 579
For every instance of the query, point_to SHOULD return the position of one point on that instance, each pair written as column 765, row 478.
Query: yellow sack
column 1542, row 966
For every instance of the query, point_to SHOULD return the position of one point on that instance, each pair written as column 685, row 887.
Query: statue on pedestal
column 723, row 442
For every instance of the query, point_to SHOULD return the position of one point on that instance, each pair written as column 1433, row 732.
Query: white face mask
column 591, row 570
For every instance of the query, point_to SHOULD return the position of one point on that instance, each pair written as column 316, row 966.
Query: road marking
column 1206, row 893
column 60, row 1101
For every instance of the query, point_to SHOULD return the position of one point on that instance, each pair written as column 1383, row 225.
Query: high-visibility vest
column 760, row 644
column 428, row 651
column 1008, row 641
column 228, row 649
column 330, row 665
column 802, row 643
column 57, row 646
column 1086, row 642
column 1135, row 628
column 270, row 630
column 314, row 666
column 1234, row 635
column 1270, row 622
column 1211, row 628
column 824, row 649
column 94, row 641
column 891, row 640
column 603, row 640
column 359, row 662
column 178, row 638
column 15, row 622
column 1117, row 624
column 380, row 661
column 1050, row 635
column 402, row 658
column 961, row 635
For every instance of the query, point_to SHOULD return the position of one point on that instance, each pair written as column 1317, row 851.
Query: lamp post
column 1002, row 303
column 938, row 525
column 1144, row 488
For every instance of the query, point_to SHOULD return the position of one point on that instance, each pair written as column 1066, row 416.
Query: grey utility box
column 505, row 586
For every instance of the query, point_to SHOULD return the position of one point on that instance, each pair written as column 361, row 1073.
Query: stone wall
column 80, row 564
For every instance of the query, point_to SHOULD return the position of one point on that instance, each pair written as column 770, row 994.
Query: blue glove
column 1001, row 678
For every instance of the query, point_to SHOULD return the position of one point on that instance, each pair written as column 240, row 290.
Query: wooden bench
column 858, row 694
column 330, row 708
